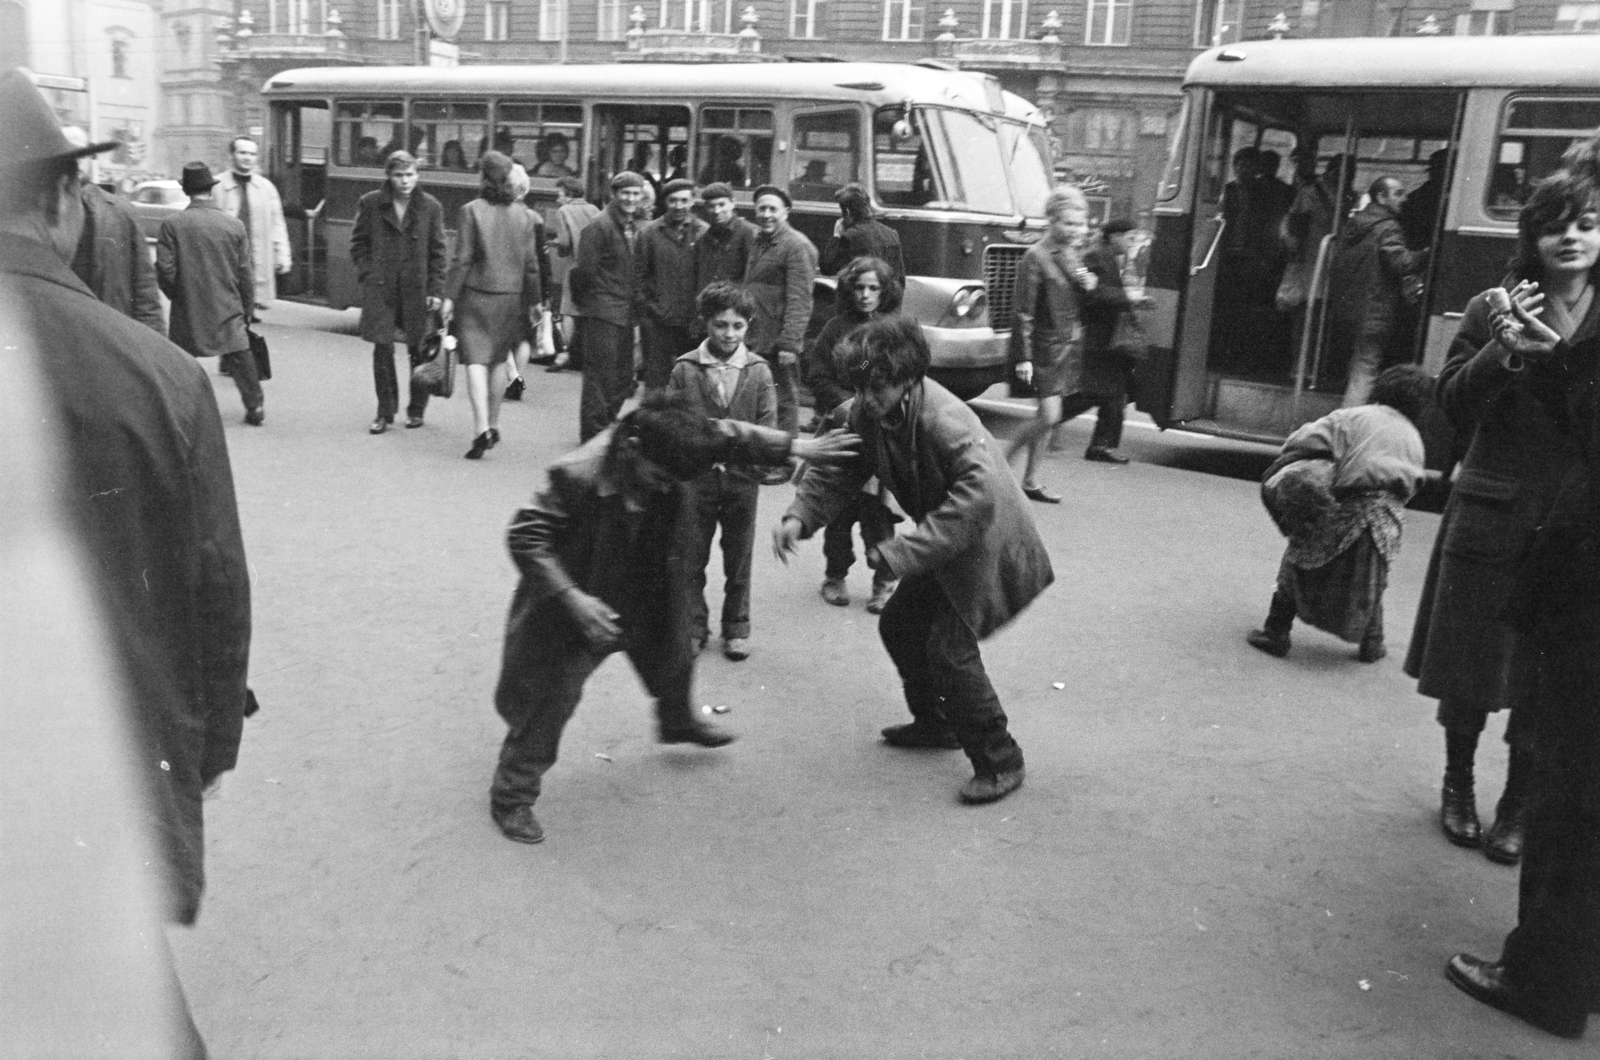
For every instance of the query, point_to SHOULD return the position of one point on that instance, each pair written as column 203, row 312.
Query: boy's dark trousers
column 727, row 498
column 388, row 385
column 942, row 673
column 877, row 526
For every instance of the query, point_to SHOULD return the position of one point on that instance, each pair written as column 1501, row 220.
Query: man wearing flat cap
column 604, row 286
column 203, row 265
column 779, row 275
column 665, row 263
column 148, row 489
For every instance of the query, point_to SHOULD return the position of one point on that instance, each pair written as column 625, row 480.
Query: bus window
column 638, row 139
column 827, row 154
column 735, row 146
column 451, row 135
column 901, row 172
column 545, row 137
column 971, row 165
column 367, row 132
column 1172, row 178
column 1533, row 135
column 1028, row 161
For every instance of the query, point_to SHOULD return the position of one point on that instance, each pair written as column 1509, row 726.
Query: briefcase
column 263, row 359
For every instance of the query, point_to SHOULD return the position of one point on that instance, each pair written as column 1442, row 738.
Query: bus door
column 649, row 139
column 1268, row 328
column 297, row 163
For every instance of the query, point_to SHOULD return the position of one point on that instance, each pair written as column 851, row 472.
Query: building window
column 609, row 20
column 182, row 36
column 497, row 20
column 388, row 19
column 1488, row 18
column 902, row 19
column 1108, row 22
column 552, row 19
column 807, row 18
column 1005, row 19
column 697, row 16
column 296, row 16
column 1101, row 131
column 1578, row 18
column 1217, row 22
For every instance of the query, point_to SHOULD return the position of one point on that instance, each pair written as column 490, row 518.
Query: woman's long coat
column 1461, row 648
column 1048, row 330
column 400, row 264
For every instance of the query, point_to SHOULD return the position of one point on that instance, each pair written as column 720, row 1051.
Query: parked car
column 154, row 201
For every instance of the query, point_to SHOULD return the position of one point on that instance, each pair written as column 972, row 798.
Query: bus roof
column 875, row 83
column 1559, row 62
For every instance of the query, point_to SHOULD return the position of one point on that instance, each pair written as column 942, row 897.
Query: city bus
column 1491, row 115
column 959, row 167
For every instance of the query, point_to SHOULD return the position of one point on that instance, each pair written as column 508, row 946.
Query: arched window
column 119, row 51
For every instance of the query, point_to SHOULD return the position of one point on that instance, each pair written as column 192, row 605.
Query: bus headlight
column 969, row 308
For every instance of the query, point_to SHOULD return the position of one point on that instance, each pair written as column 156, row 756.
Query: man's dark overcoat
column 399, row 264
column 203, row 265
column 113, row 260
column 973, row 531
column 149, row 483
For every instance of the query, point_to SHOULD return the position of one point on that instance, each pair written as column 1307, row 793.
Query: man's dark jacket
column 148, row 483
column 869, row 238
column 1370, row 264
column 399, row 264
column 724, row 252
column 113, row 260
column 603, row 280
column 664, row 260
column 203, row 265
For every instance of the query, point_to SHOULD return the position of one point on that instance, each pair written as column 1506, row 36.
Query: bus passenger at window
column 678, row 159
column 451, row 156
column 782, row 268
column 724, row 166
column 859, row 234
column 816, row 172
column 1419, row 214
column 724, row 250
column 554, row 166
column 664, row 259
column 639, row 163
column 367, row 152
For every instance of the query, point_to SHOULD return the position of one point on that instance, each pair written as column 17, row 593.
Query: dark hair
column 718, row 190
column 1556, row 201
column 885, row 351
column 722, row 296
column 853, row 203
column 1583, row 158
column 555, row 139
column 1270, row 161
column 572, row 186
column 667, row 431
column 32, row 188
column 893, row 289
column 1405, row 388
column 1380, row 186
column 495, row 187
column 399, row 160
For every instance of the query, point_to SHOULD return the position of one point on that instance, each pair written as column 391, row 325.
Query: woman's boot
column 1458, row 806
column 1503, row 842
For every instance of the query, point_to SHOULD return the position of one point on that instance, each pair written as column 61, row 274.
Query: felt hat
column 197, row 178
column 30, row 133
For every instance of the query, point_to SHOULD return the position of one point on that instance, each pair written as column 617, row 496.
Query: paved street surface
column 1216, row 854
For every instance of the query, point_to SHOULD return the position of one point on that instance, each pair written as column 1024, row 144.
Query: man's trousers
column 607, row 373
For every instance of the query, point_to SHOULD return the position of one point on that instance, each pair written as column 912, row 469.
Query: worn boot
column 1503, row 842
column 1458, row 806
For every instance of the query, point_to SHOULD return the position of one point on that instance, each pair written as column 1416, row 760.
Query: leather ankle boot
column 1458, row 811
column 1503, row 842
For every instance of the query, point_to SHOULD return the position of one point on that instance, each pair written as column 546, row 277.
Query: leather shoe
column 1502, row 843
column 835, row 593
column 519, row 824
column 1040, row 494
column 880, row 596
column 413, row 422
column 1486, row 981
column 1274, row 644
column 993, row 787
column 515, row 388
column 255, row 417
column 916, row 734
column 697, row 733
column 736, row 648
column 1102, row 455
column 1372, row 649
column 379, row 425
column 1458, row 814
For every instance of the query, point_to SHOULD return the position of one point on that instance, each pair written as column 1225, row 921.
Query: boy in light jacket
column 725, row 381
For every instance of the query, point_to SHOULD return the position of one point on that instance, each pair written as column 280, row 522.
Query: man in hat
column 666, row 276
column 779, row 275
column 603, row 285
column 203, row 265
column 149, row 494
column 112, row 259
column 246, row 194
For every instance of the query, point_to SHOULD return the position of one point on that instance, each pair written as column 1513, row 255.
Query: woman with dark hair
column 493, row 283
column 555, row 148
column 1461, row 653
column 398, row 249
column 1337, row 492
column 451, row 156
column 867, row 290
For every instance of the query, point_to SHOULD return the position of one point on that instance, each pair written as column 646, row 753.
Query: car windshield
column 986, row 164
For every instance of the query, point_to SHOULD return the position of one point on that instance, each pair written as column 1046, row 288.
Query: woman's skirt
column 489, row 325
column 1343, row 595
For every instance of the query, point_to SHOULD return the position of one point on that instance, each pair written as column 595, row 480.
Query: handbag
column 434, row 368
column 259, row 353
column 1128, row 339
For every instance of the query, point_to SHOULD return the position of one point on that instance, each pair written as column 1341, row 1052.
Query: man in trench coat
column 267, row 231
column 972, row 561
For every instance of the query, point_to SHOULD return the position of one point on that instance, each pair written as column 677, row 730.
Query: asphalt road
column 1216, row 854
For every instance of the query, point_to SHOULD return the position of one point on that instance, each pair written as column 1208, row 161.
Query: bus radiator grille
column 1000, row 263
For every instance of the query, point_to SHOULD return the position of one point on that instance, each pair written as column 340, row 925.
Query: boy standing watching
column 723, row 380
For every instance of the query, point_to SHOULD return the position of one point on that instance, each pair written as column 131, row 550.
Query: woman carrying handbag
column 492, row 284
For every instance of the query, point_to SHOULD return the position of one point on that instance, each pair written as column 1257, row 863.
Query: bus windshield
column 960, row 160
